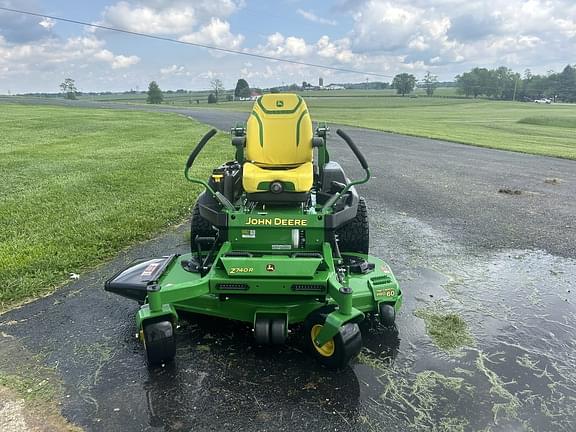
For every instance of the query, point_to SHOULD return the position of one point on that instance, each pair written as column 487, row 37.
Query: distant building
column 334, row 87
column 320, row 82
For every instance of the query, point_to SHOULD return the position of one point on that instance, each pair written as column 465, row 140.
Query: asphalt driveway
column 483, row 233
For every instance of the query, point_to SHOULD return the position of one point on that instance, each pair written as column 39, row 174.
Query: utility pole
column 515, row 87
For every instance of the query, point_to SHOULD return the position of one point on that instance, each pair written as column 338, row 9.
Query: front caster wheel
column 278, row 331
column 262, row 331
column 159, row 342
column 270, row 330
column 338, row 351
column 387, row 314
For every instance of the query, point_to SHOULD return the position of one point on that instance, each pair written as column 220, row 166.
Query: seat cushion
column 279, row 131
column 257, row 179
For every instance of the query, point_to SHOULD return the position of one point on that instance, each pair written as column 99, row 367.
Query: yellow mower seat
column 278, row 144
column 256, row 179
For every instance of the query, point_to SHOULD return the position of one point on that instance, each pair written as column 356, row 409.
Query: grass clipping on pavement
column 448, row 330
column 78, row 185
column 30, row 392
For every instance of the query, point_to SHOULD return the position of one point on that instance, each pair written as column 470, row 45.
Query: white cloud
column 149, row 20
column 446, row 33
column 210, row 75
column 176, row 71
column 311, row 16
column 175, row 17
column 216, row 33
column 122, row 61
column 278, row 45
column 172, row 70
column 338, row 50
column 47, row 23
column 54, row 54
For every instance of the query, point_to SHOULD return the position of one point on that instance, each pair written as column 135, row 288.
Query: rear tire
column 199, row 227
column 354, row 236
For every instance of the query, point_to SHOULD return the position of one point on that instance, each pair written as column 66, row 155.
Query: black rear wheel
column 354, row 236
column 199, row 227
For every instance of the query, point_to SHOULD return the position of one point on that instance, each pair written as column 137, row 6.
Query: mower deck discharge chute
column 278, row 238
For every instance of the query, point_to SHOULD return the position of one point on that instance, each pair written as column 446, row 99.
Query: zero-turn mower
column 278, row 238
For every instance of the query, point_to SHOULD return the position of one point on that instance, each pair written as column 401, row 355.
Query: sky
column 445, row 37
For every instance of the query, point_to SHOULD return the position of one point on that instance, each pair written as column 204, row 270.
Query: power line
column 198, row 45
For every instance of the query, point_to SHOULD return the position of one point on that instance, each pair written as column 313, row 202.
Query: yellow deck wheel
column 326, row 350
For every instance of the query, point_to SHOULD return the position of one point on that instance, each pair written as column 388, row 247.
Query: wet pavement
column 514, row 287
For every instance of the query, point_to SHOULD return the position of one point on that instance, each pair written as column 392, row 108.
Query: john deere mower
column 279, row 239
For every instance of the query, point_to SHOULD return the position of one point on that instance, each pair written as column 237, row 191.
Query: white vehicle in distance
column 543, row 100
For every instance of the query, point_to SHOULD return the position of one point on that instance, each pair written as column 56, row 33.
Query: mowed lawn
column 523, row 127
column 78, row 185
column 548, row 130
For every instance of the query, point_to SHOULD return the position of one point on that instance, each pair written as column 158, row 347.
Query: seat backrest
column 279, row 131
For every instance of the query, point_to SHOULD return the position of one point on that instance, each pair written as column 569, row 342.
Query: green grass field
column 201, row 96
column 78, row 185
column 139, row 98
column 494, row 124
column 548, row 130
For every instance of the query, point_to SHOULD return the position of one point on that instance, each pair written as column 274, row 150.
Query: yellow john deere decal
column 276, row 221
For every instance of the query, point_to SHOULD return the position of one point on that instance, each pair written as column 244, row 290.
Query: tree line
column 500, row 83
column 503, row 83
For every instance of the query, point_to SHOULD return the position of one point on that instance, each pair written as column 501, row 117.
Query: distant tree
column 242, row 89
column 155, row 95
column 69, row 89
column 500, row 83
column 503, row 82
column 274, row 90
column 212, row 98
column 567, row 84
column 430, row 83
column 217, row 88
column 404, row 83
column 474, row 83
